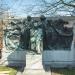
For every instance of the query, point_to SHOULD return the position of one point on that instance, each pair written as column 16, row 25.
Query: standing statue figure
column 43, row 26
column 28, row 24
column 36, row 38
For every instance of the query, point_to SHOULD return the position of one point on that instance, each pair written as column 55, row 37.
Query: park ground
column 4, row 70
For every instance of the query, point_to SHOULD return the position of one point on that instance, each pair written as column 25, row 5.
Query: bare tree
column 47, row 7
column 52, row 7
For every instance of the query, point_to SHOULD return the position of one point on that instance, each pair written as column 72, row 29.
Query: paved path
column 4, row 72
column 34, row 66
column 36, row 72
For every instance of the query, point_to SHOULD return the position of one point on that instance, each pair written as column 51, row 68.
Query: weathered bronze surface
column 52, row 33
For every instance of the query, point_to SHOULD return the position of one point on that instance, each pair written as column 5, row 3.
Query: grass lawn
column 9, row 70
column 63, row 71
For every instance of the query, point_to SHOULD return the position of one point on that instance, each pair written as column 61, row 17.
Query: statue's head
column 29, row 18
column 12, row 23
column 42, row 17
column 62, row 21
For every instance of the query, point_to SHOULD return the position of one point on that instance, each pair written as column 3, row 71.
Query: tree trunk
column 1, row 38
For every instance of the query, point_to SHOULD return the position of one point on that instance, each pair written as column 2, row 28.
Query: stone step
column 34, row 62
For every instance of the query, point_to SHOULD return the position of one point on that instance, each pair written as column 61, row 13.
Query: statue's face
column 42, row 17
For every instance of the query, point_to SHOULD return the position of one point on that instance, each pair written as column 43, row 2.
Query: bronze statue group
column 53, row 34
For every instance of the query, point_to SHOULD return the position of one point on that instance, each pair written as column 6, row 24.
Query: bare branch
column 68, row 4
